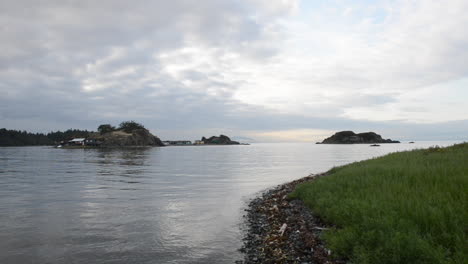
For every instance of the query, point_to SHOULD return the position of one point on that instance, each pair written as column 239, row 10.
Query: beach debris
column 270, row 215
column 282, row 229
column 320, row 228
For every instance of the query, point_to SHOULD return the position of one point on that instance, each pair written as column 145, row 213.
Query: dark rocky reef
column 349, row 137
column 221, row 140
column 120, row 138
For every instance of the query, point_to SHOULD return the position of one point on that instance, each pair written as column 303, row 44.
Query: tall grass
column 407, row 207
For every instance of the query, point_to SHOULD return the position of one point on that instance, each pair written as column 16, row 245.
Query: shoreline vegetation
column 404, row 207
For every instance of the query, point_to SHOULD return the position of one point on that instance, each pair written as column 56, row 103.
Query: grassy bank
column 407, row 207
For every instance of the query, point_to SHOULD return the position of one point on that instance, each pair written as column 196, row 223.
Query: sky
column 268, row 70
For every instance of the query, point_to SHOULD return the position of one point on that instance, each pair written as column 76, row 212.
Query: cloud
column 75, row 59
column 276, row 69
column 384, row 50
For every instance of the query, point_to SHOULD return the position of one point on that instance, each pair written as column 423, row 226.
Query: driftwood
column 282, row 229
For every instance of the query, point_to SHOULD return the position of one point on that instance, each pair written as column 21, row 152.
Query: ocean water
column 147, row 205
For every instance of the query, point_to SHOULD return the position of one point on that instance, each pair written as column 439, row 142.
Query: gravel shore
column 280, row 230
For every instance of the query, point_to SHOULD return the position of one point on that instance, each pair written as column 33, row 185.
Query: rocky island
column 221, row 140
column 137, row 137
column 128, row 134
column 349, row 137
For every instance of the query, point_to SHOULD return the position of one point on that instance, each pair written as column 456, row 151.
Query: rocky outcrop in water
column 221, row 140
column 349, row 137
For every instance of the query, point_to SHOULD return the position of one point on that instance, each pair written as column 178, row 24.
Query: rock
column 349, row 137
column 221, row 140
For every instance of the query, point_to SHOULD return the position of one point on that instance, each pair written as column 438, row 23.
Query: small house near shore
column 77, row 142
column 81, row 142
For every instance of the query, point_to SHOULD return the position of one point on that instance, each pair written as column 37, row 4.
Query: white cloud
column 249, row 65
column 331, row 60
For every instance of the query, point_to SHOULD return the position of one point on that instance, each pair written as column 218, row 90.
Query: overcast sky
column 271, row 70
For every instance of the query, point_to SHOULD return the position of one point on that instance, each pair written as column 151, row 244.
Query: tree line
column 22, row 138
column 126, row 126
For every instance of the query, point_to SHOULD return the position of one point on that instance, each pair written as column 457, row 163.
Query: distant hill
column 349, row 137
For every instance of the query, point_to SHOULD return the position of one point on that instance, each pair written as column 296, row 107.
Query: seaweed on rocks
column 281, row 230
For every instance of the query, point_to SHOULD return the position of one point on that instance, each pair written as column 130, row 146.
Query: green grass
column 406, row 207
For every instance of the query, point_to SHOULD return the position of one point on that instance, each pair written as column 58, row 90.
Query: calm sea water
column 147, row 205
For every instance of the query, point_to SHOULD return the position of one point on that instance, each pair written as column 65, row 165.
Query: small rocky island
column 138, row 137
column 349, row 137
column 221, row 140
column 128, row 134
